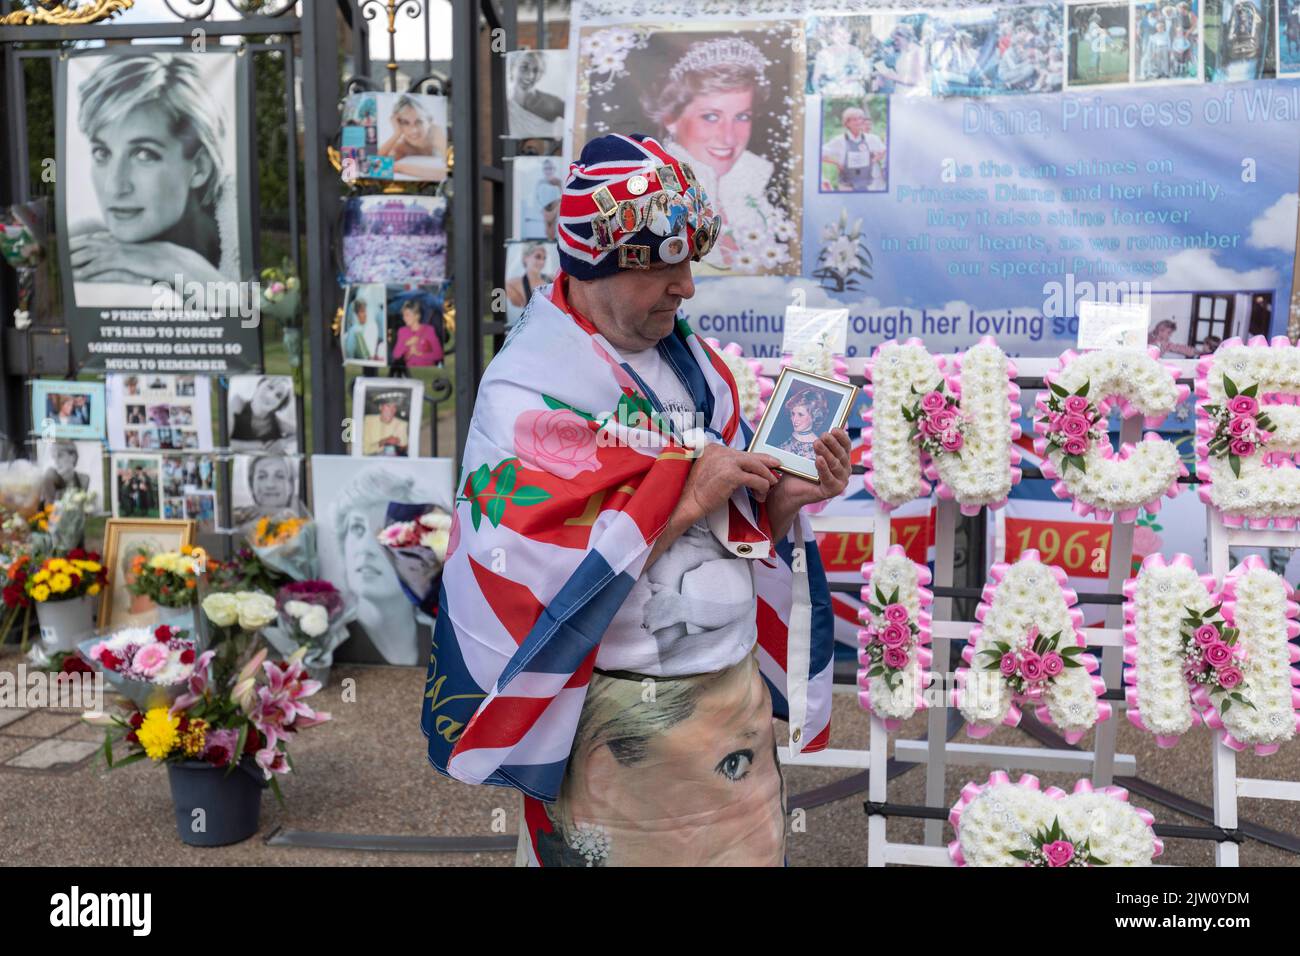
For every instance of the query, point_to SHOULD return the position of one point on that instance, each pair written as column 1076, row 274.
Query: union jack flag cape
column 570, row 474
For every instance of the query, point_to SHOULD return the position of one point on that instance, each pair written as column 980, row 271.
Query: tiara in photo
column 729, row 51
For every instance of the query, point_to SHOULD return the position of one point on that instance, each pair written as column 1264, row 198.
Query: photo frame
column 136, row 481
column 394, row 136
column 398, row 436
column 124, row 537
column 67, row 409
column 820, row 403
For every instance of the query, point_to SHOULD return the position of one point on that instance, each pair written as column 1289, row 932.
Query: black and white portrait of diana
column 148, row 175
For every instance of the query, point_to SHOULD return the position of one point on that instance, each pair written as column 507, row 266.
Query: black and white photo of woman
column 261, row 414
column 150, row 174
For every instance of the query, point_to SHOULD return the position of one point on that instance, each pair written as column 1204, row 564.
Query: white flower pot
column 65, row 623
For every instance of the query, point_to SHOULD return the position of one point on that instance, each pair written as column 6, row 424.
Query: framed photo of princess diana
column 727, row 98
column 804, row 407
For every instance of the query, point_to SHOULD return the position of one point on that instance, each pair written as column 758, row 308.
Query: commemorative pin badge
column 657, row 215
column 629, row 216
column 668, row 177
column 637, row 185
column 689, row 174
column 673, row 249
column 602, row 232
column 633, row 256
column 604, row 201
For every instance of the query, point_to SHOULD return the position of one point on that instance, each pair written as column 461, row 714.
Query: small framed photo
column 125, row 540
column 68, row 409
column 389, row 412
column 804, row 407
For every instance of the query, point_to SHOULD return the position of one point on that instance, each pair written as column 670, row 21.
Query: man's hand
column 713, row 478
column 790, row 494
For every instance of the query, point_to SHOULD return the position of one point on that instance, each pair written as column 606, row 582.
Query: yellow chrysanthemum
column 60, row 583
column 41, row 592
column 93, row 590
column 41, row 576
column 195, row 738
column 158, row 734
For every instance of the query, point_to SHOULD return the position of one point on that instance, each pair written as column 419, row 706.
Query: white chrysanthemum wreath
column 1248, row 432
column 1072, row 434
column 1000, row 823
column 894, row 638
column 752, row 386
column 955, row 427
column 1028, row 651
column 1260, row 612
column 1158, row 603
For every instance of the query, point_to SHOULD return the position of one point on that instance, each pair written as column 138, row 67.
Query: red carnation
column 162, row 633
column 75, row 665
column 76, row 580
column 132, row 738
column 184, row 725
column 110, row 661
column 136, row 720
column 187, row 656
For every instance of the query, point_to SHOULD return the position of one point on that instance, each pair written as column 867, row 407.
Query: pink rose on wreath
column 952, row 441
column 895, row 635
column 1242, row 427
column 896, row 614
column 1243, row 405
column 943, row 420
column 932, row 402
column 1206, row 634
column 1008, row 664
column 1230, row 676
column 1053, row 664
column 1076, row 405
column 928, row 428
column 1075, row 446
column 1074, row 426
column 1241, row 448
column 1031, row 666
column 1058, row 852
column 895, row 657
column 557, row 441
column 1218, row 654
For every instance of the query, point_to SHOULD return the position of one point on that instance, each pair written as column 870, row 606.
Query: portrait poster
column 745, row 143
column 262, row 414
column 1166, row 41
column 67, row 409
column 535, row 83
column 136, row 485
column 153, row 411
column 66, row 465
column 394, row 136
column 386, row 415
column 416, row 312
column 154, row 204
column 365, row 325
column 529, row 266
column 350, row 498
column 262, row 484
column 537, row 184
column 398, row 239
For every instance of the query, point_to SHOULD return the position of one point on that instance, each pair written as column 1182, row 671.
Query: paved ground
column 366, row 773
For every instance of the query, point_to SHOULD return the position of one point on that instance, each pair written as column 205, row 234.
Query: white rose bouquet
column 314, row 616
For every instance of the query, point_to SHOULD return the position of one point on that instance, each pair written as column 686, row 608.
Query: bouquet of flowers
column 149, row 665
column 285, row 542
column 314, row 616
column 246, row 572
column 168, row 578
column 281, row 292
column 64, row 579
column 415, row 540
column 1212, row 658
column 234, row 620
column 228, row 712
column 13, row 582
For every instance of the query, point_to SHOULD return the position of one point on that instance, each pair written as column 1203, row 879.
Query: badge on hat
column 630, row 218
column 602, row 232
column 637, row 185
column 632, row 255
column 669, row 180
column 673, row 249
column 604, row 200
column 665, row 216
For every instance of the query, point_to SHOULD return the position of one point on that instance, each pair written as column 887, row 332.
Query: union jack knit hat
column 628, row 203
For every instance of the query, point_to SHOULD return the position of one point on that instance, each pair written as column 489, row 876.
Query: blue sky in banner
column 1149, row 168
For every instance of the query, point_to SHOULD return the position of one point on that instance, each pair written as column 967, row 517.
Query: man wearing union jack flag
column 629, row 595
